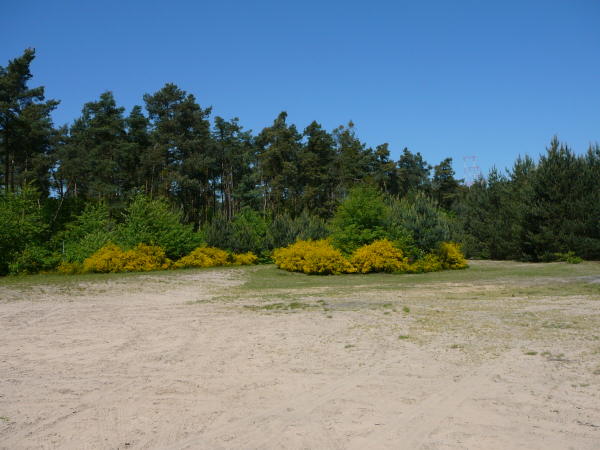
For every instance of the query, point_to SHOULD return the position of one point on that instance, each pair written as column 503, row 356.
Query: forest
column 168, row 173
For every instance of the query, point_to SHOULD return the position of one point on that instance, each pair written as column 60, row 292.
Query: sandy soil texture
column 196, row 360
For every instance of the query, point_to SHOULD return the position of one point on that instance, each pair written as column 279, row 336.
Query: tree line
column 210, row 170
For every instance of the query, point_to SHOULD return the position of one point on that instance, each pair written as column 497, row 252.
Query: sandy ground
column 160, row 362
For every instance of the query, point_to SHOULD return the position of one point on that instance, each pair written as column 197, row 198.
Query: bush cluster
column 33, row 259
column 312, row 257
column 22, row 232
column 204, row 257
column 451, row 257
column 244, row 259
column 428, row 263
column 321, row 257
column 379, row 256
column 143, row 258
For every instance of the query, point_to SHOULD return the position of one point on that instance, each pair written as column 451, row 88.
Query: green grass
column 268, row 277
column 56, row 279
column 282, row 306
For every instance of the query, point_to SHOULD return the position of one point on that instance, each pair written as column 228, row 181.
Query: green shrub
column 153, row 222
column 21, row 225
column 247, row 232
column 568, row 257
column 284, row 230
column 33, row 259
column 88, row 233
column 421, row 216
column 359, row 220
column 218, row 232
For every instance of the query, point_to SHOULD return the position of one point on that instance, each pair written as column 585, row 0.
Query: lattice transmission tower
column 471, row 168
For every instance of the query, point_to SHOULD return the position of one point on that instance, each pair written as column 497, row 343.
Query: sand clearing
column 182, row 361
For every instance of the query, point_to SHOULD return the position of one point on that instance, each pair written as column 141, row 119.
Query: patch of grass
column 554, row 357
column 457, row 346
column 558, row 325
column 531, row 353
column 406, row 309
column 280, row 306
column 348, row 346
column 299, row 305
column 404, row 336
column 54, row 279
column 4, row 419
column 269, row 277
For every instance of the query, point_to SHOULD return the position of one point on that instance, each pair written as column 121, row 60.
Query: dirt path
column 133, row 364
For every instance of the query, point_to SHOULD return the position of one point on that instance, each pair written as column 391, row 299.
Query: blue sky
column 444, row 78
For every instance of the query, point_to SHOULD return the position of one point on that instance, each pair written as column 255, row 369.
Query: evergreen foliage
column 537, row 210
column 359, row 220
column 422, row 218
column 22, row 226
column 89, row 232
column 167, row 174
column 154, row 222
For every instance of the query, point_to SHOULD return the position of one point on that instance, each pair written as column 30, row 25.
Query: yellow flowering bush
column 67, row 268
column 379, row 256
column 244, row 259
column 110, row 258
column 204, row 257
column 312, row 257
column 451, row 256
column 142, row 258
column 428, row 263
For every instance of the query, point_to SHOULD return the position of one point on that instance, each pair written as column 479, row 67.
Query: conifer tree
column 26, row 129
column 182, row 160
column 279, row 147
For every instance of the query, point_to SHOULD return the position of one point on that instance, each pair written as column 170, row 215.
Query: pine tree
column 317, row 171
column 26, row 130
column 354, row 160
column 445, row 186
column 279, row 147
column 385, row 172
column 235, row 156
column 413, row 173
column 94, row 160
column 182, row 161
